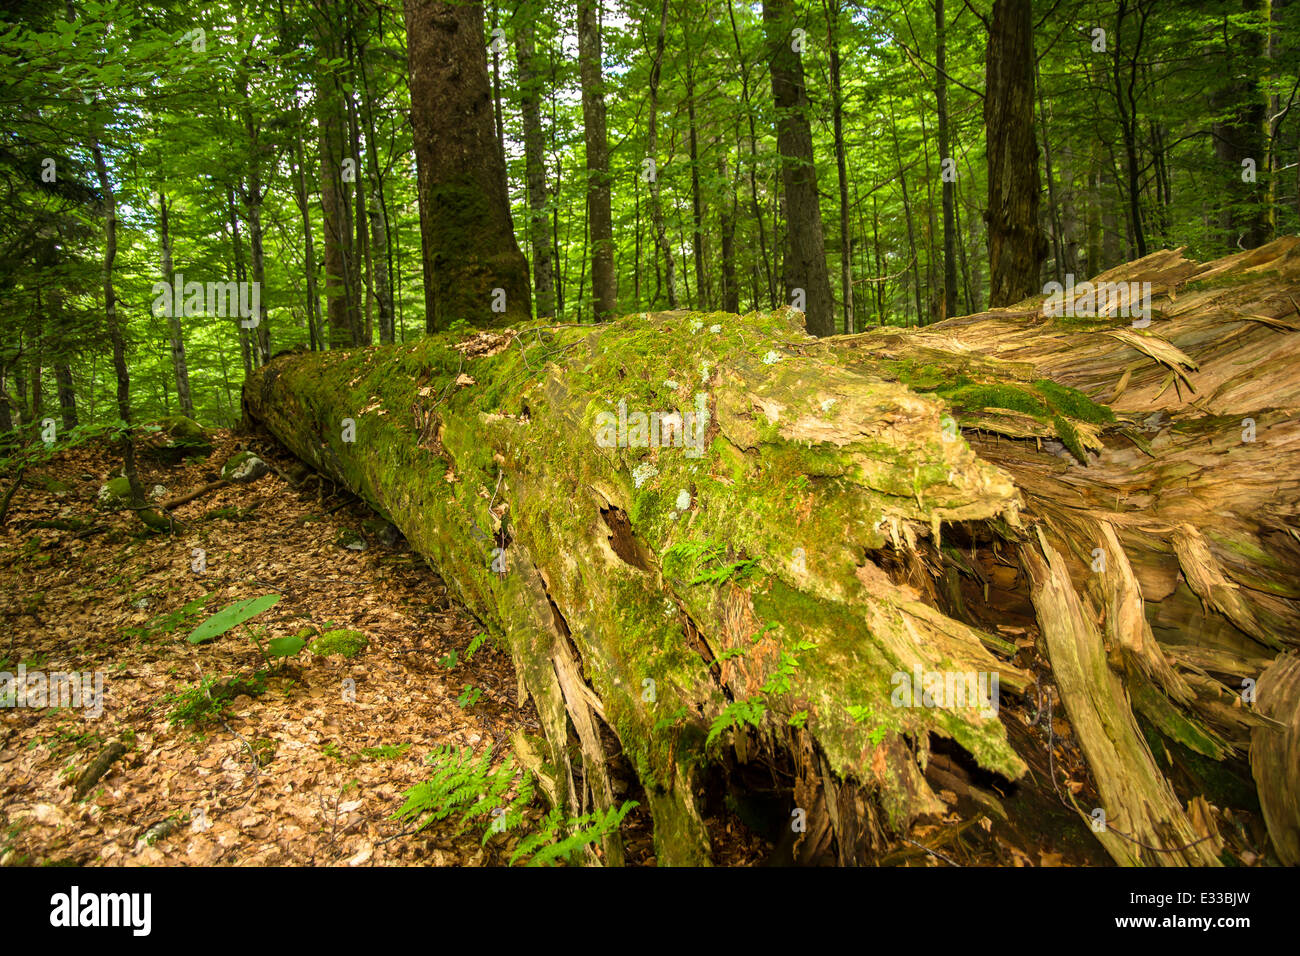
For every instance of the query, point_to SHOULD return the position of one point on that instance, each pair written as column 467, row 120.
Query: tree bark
column 466, row 231
column 1017, row 246
column 179, row 366
column 662, row 245
column 534, row 160
column 604, row 279
column 805, row 248
column 945, row 156
column 118, row 341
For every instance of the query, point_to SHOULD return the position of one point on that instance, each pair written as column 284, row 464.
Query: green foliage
column 738, row 713
column 232, row 616
column 563, row 841
column 469, row 696
column 194, row 706
column 704, row 562
column 385, row 751
column 468, row 789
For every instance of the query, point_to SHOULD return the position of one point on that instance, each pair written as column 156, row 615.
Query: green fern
column 737, row 714
column 547, row 846
column 467, row 788
column 460, row 784
column 707, row 562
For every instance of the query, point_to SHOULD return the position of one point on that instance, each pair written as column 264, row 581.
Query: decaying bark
column 852, row 512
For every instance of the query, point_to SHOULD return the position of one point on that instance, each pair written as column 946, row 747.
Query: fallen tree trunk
column 811, row 560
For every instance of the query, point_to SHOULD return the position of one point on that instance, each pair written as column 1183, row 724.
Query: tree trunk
column 805, row 249
column 662, row 245
column 67, row 395
column 179, row 365
column 534, row 160
column 604, row 280
column 760, row 591
column 118, row 342
column 1017, row 245
column 697, row 203
column 949, row 179
column 471, row 258
column 841, row 164
column 727, row 230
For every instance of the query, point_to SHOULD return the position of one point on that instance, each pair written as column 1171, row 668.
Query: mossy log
column 807, row 525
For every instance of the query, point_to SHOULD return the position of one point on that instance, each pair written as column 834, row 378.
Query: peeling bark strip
column 766, row 593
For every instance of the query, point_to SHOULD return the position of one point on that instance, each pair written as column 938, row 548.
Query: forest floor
column 298, row 770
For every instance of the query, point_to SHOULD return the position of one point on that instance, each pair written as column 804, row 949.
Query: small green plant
column 450, row 660
column 385, row 751
column 469, row 696
column 738, row 713
column 194, row 706
column 343, row 642
column 281, row 648
column 704, row 562
column 471, row 789
column 563, row 841
column 474, row 645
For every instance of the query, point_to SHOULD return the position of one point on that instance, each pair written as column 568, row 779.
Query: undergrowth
column 474, row 794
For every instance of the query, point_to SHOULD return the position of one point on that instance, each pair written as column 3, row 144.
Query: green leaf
column 285, row 646
column 228, row 617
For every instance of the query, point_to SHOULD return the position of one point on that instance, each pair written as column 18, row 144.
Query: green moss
column 343, row 642
column 1073, row 403
column 1069, row 436
column 979, row 397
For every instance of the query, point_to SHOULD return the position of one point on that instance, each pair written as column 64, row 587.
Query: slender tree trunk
column 949, row 178
column 804, row 265
column 534, row 160
column 334, row 207
column 380, row 244
column 662, row 244
column 841, row 164
column 302, row 198
column 241, row 275
column 115, row 335
column 1017, row 246
column 67, row 395
column 1127, row 109
column 753, row 159
column 179, row 366
column 727, row 229
column 6, row 407
column 604, row 279
column 471, row 258
column 253, row 203
column 697, row 208
column 907, row 211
